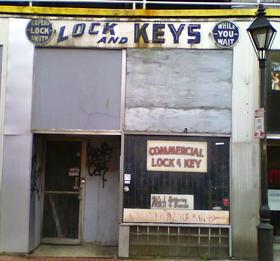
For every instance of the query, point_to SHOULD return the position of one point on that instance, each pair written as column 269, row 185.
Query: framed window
column 194, row 172
column 273, row 91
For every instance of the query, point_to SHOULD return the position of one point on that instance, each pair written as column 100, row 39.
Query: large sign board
column 176, row 156
column 132, row 215
column 127, row 33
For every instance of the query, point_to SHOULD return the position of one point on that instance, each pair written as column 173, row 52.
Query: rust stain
column 31, row 10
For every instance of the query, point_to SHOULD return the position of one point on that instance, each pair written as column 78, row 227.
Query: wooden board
column 176, row 216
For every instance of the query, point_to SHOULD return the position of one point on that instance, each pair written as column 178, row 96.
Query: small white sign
column 171, row 201
column 127, row 178
column 274, row 199
column 259, row 123
column 74, row 172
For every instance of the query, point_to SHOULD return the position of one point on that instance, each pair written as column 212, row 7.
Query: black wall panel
column 209, row 189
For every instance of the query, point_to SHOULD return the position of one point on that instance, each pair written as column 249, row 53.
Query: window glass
column 197, row 169
column 274, row 186
column 273, row 92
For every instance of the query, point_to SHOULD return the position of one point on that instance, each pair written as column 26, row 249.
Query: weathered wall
column 77, row 89
column 170, row 90
column 15, row 190
column 245, row 149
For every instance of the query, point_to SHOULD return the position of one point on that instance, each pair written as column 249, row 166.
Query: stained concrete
column 276, row 251
column 85, row 250
column 92, row 252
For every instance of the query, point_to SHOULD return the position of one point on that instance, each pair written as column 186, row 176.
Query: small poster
column 74, row 172
column 171, row 201
column 275, row 76
column 127, row 178
column 259, row 123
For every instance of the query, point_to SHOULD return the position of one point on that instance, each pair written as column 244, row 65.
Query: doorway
column 62, row 192
column 273, row 156
column 81, row 190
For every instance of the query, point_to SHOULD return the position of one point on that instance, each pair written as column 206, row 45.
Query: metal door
column 62, row 192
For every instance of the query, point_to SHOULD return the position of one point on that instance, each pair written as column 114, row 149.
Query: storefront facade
column 136, row 132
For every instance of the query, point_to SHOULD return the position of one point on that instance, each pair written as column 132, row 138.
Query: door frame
column 274, row 143
column 66, row 241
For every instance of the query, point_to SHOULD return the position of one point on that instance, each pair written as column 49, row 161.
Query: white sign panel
column 127, row 178
column 274, row 199
column 259, row 123
column 171, row 201
column 176, row 216
column 179, row 156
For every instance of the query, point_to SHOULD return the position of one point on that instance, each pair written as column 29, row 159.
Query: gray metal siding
column 17, row 141
column 170, row 90
column 77, row 89
column 15, row 193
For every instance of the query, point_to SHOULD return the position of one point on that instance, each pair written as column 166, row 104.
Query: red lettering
column 151, row 151
column 189, row 163
column 171, row 162
column 192, row 163
column 198, row 163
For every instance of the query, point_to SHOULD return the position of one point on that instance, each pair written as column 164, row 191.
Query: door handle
column 83, row 181
column 76, row 185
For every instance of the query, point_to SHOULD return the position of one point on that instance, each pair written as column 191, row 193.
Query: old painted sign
column 225, row 34
column 259, row 123
column 171, row 201
column 176, row 216
column 178, row 156
column 122, row 33
column 39, row 31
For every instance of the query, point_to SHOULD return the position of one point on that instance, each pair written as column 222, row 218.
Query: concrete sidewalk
column 32, row 258
column 97, row 253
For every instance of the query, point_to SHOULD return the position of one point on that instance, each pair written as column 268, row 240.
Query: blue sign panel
column 39, row 31
column 225, row 34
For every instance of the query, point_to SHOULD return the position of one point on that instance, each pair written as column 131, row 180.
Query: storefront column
column 245, row 151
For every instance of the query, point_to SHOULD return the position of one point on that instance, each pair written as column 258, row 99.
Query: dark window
column 274, row 186
column 273, row 92
column 210, row 189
